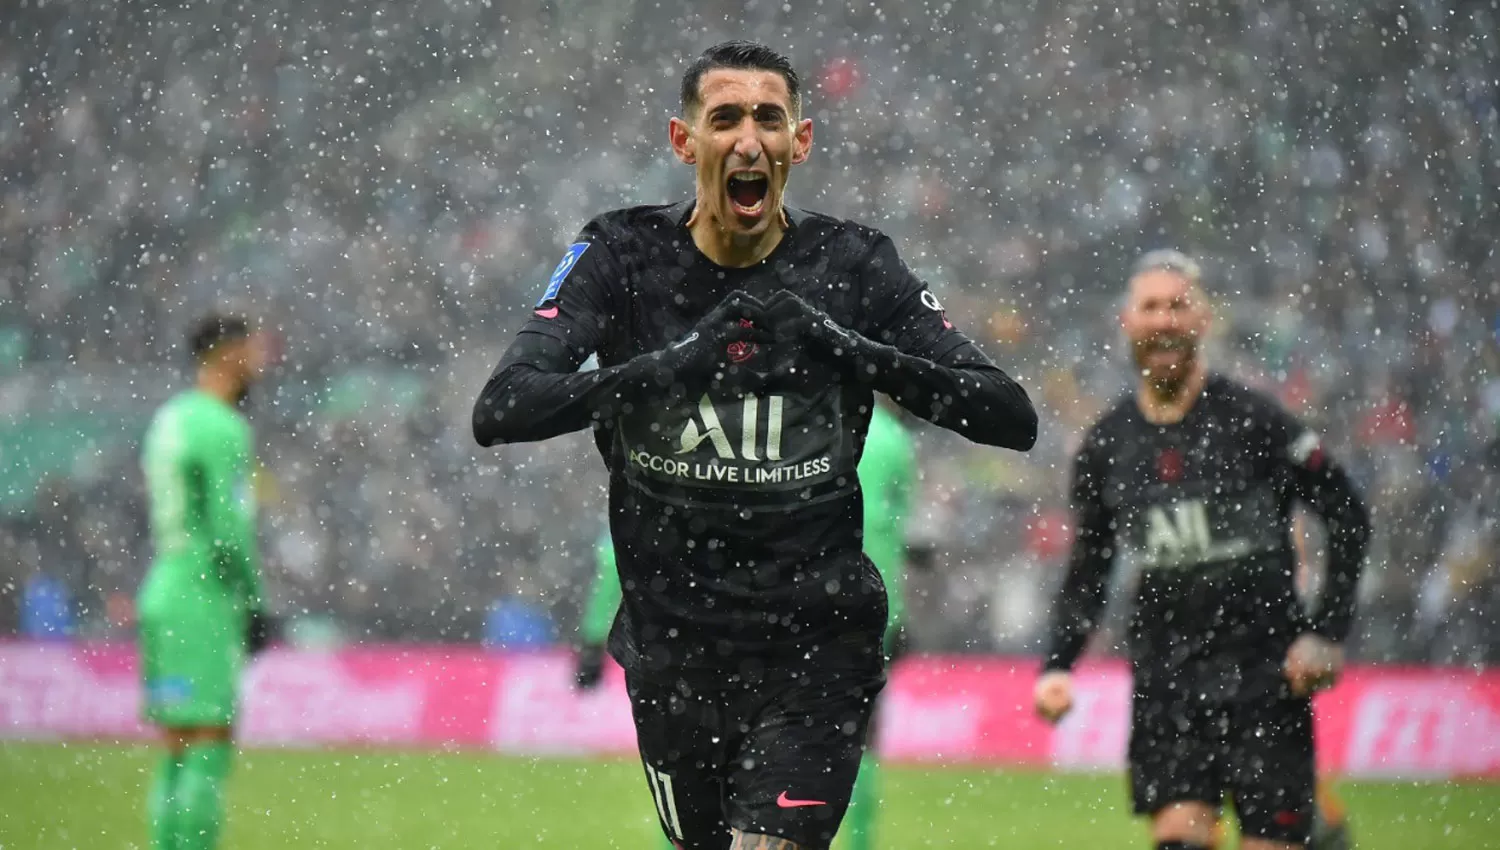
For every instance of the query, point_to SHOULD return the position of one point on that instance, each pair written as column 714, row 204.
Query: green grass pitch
column 56, row 797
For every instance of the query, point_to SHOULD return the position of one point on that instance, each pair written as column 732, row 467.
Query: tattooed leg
column 753, row 841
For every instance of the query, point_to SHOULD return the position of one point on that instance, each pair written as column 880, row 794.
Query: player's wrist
column 865, row 360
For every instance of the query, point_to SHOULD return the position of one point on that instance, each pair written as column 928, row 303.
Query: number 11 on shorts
column 666, row 802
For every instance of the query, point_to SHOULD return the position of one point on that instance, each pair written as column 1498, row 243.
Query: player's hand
column 793, row 319
column 703, row 354
column 1313, row 663
column 589, row 668
column 1054, row 695
column 261, row 630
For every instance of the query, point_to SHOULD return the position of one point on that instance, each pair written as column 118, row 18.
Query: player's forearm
column 231, row 527
column 966, row 395
column 239, row 565
column 523, row 403
column 1080, row 601
column 1348, row 525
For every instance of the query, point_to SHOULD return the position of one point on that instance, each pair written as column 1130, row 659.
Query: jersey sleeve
column 1315, row 478
column 174, row 496
column 1080, row 600
column 223, row 466
column 536, row 392
column 578, row 306
column 939, row 373
column 604, row 597
column 903, row 310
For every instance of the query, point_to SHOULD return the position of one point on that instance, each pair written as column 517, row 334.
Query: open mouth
column 747, row 193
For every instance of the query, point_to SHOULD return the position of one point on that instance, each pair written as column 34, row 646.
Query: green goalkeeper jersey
column 198, row 463
column 886, row 473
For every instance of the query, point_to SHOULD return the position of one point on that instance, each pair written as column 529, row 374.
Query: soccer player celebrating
column 200, row 608
column 1195, row 477
column 740, row 342
column 887, row 467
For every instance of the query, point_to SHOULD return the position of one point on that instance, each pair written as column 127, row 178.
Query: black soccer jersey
column 1203, row 509
column 736, row 514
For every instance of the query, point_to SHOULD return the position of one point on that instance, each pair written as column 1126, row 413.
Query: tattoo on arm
column 748, row 841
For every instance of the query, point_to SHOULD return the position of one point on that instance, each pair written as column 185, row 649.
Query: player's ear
column 682, row 141
column 802, row 141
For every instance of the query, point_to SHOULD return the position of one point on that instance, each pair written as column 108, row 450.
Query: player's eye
column 769, row 115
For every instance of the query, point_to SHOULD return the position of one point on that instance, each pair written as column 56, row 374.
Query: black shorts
column 777, row 759
column 1260, row 751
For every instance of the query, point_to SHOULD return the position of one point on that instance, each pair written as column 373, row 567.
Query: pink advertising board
column 1379, row 722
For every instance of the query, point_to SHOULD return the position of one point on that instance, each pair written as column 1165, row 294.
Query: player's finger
column 1055, row 709
column 742, row 298
column 781, row 297
column 1302, row 683
column 787, row 319
column 740, row 305
column 1326, row 678
column 750, row 333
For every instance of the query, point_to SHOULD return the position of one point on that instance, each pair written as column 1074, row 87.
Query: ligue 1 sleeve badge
column 559, row 274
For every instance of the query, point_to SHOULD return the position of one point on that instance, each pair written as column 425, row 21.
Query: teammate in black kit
column 739, row 343
column 1195, row 478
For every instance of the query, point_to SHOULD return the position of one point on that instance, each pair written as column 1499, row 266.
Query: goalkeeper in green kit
column 886, row 472
column 200, row 608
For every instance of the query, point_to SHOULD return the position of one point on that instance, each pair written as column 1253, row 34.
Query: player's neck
column 1168, row 409
column 219, row 384
column 728, row 249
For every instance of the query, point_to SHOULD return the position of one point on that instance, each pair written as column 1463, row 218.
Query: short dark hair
column 746, row 55
column 213, row 331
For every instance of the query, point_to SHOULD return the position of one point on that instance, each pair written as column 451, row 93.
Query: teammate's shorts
column 191, row 655
column 775, row 759
column 1259, row 751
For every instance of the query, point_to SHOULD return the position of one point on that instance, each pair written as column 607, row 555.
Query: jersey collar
column 683, row 210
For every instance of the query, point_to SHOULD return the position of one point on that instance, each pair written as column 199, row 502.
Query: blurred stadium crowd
column 388, row 185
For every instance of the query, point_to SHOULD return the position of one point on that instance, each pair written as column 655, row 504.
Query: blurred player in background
column 887, row 475
column 200, row 607
column 1196, row 478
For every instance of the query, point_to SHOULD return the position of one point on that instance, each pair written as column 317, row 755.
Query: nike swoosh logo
column 786, row 803
column 549, row 313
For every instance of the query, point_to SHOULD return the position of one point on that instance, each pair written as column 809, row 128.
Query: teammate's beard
column 1166, row 384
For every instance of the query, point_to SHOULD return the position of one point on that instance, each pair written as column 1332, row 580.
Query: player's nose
column 747, row 148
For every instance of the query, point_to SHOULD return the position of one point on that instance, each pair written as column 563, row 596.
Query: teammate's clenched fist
column 1313, row 663
column 1054, row 695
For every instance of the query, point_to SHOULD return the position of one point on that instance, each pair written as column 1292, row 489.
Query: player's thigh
column 1175, row 756
column 191, row 662
column 1273, row 775
column 794, row 772
column 681, row 739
